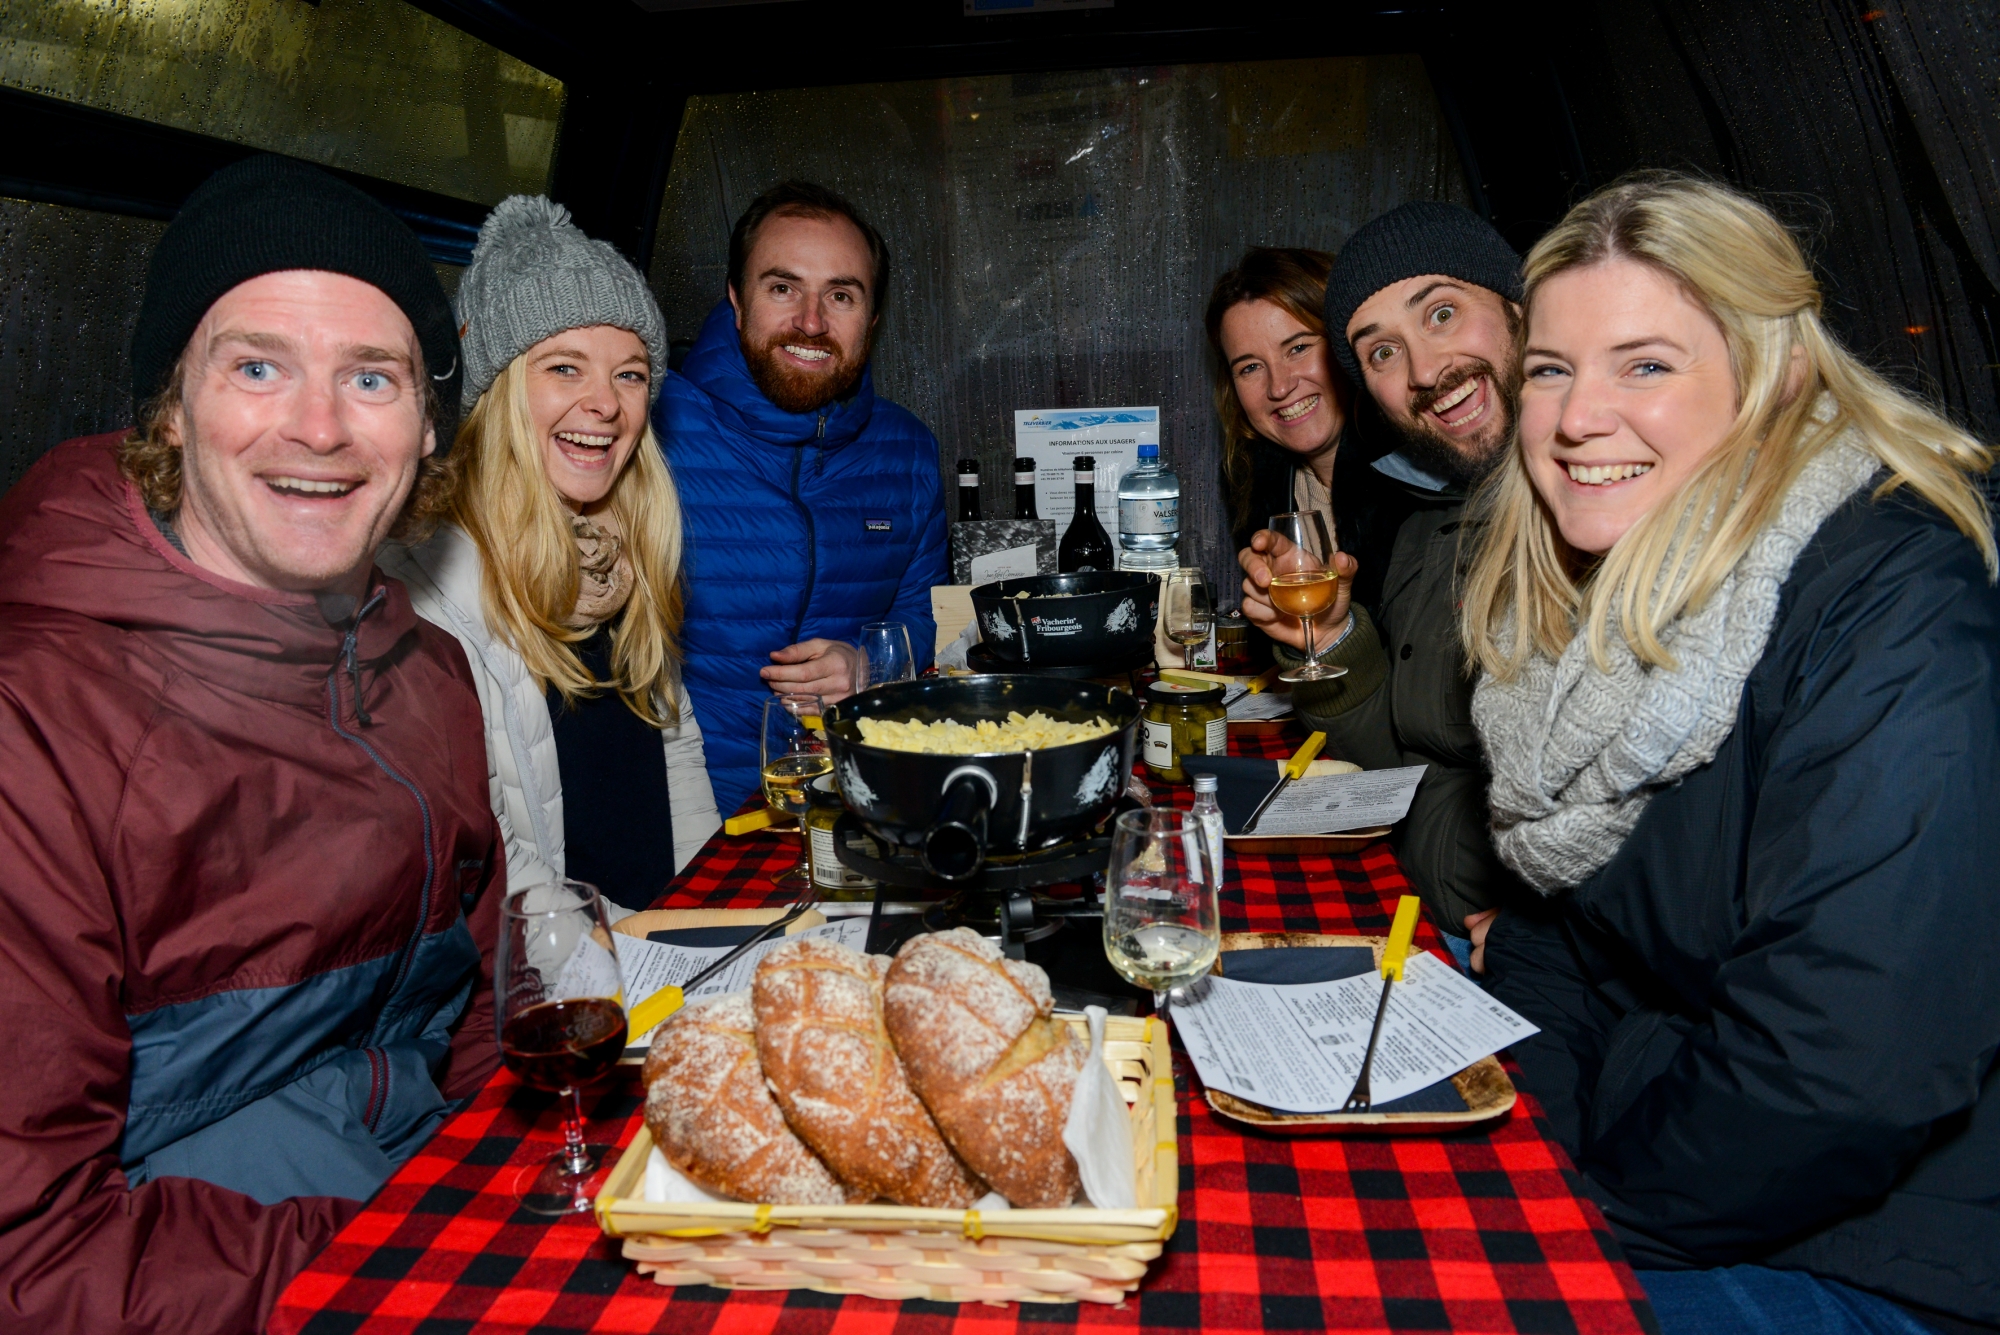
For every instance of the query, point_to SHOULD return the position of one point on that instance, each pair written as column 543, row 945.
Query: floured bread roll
column 829, row 1061
column 712, row 1117
column 975, row 1034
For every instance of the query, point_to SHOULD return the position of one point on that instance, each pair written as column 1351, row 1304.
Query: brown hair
column 1291, row 278
column 150, row 459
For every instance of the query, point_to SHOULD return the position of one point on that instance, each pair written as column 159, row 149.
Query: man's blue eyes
column 371, row 382
column 259, row 370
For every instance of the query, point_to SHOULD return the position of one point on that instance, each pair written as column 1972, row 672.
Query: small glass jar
column 834, row 879
column 1181, row 720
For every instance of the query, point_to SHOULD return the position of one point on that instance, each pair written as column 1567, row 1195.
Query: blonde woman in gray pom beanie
column 560, row 571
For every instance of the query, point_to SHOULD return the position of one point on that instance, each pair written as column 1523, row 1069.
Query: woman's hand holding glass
column 794, row 754
column 1304, row 581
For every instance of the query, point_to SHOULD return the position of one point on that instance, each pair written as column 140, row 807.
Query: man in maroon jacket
column 248, row 871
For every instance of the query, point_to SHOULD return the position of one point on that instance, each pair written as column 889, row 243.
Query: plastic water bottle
column 1149, row 514
column 1206, row 807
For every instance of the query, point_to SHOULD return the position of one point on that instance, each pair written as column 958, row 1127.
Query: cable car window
column 1055, row 235
column 373, row 86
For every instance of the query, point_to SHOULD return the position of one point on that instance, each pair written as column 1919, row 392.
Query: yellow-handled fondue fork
column 1393, row 956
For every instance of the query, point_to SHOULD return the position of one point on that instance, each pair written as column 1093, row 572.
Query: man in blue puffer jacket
column 811, row 506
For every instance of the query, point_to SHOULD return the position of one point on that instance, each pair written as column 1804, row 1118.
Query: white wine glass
column 560, row 1002
column 1162, row 919
column 1304, row 582
column 793, row 755
column 1188, row 610
column 885, row 654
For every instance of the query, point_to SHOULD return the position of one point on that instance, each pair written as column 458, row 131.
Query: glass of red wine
column 560, row 1005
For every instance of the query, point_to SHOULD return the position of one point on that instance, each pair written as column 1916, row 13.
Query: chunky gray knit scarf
column 1577, row 753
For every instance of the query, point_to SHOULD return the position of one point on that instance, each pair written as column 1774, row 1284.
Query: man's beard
column 1464, row 462
column 798, row 391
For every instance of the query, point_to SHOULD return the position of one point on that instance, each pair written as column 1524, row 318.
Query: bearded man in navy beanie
column 251, row 872
column 1423, row 311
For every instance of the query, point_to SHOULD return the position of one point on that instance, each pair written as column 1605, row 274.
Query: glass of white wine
column 1304, row 583
column 1187, row 610
column 794, row 754
column 1162, row 923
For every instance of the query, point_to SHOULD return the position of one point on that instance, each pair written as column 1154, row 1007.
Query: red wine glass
column 560, row 1004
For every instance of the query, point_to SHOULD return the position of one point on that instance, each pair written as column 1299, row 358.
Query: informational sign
column 1054, row 437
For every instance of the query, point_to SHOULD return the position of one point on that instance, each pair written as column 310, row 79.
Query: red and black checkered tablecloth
column 1484, row 1231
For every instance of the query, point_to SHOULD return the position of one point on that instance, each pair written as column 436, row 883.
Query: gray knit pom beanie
column 533, row 274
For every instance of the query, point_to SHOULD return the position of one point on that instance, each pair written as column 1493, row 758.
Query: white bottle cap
column 1204, row 783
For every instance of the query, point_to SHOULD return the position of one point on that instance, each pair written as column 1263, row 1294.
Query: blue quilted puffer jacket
column 799, row 526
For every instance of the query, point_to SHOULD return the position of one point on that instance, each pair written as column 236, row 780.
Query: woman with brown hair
column 1287, row 411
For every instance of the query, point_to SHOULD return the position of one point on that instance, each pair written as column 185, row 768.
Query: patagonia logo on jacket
column 876, row 525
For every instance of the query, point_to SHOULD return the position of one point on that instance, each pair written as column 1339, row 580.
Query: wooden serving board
column 1347, row 841
column 1484, row 1085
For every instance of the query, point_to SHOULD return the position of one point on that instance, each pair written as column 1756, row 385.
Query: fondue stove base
column 981, row 658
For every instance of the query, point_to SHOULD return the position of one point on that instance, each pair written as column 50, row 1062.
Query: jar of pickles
column 1181, row 720
column 834, row 879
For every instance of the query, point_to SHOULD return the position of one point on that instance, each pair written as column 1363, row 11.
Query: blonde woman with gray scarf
column 560, row 570
column 1734, row 608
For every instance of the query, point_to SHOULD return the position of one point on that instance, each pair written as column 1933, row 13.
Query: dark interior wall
column 1874, row 130
column 71, row 296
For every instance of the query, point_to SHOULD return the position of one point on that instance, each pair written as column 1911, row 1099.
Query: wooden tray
column 1484, row 1085
column 1076, row 1254
column 1347, row 841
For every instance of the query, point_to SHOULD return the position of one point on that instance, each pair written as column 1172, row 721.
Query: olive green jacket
column 1407, row 700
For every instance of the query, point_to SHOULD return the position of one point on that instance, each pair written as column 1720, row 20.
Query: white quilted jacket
column 523, row 777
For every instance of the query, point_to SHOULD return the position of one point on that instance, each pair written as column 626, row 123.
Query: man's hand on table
column 826, row 668
column 1477, row 925
column 1286, row 629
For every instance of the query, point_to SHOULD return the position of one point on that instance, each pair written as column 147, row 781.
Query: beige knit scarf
column 604, row 583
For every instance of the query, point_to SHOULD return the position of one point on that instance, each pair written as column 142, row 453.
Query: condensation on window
column 372, row 86
column 1055, row 236
column 74, row 277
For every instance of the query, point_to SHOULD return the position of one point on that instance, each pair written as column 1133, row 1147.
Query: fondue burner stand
column 981, row 658
column 999, row 899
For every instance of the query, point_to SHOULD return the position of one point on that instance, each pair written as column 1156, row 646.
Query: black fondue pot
column 956, row 808
column 1099, row 616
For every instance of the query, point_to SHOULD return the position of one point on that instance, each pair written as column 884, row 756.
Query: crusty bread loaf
column 713, row 1118
column 829, row 1061
column 975, row 1035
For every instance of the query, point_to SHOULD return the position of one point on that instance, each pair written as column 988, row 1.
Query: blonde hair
column 529, row 553
column 1745, row 269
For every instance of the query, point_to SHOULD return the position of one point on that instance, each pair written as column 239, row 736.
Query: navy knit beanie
column 267, row 214
column 1410, row 240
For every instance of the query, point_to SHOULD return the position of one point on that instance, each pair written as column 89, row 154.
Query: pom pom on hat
column 533, row 275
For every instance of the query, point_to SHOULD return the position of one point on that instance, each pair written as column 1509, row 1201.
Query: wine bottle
column 1086, row 546
column 1024, row 489
column 968, row 489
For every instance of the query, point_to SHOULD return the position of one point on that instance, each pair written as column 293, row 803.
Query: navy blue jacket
column 799, row 526
column 1770, row 1022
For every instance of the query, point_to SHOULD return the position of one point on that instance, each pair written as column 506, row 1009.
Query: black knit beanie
column 267, row 214
column 1408, row 241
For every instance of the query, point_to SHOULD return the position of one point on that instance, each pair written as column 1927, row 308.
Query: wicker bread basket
column 1076, row 1254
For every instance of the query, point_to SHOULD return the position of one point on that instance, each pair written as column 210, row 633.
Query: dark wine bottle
column 1086, row 546
column 968, row 489
column 1024, row 489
